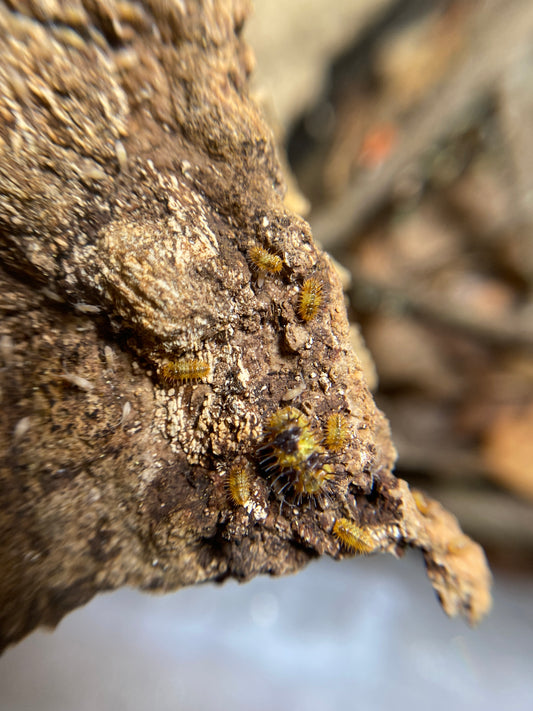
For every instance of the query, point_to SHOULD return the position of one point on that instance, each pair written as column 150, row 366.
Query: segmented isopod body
column 184, row 370
column 292, row 450
column 238, row 484
column 337, row 432
column 290, row 441
column 311, row 298
column 312, row 481
column 265, row 262
column 353, row 537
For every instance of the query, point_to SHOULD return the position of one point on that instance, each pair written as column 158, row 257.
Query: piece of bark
column 135, row 177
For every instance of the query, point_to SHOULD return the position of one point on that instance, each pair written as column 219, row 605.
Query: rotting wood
column 135, row 176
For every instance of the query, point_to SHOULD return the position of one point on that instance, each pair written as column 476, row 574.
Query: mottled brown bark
column 135, row 176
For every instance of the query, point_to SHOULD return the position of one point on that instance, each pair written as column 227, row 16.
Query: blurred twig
column 497, row 519
column 515, row 331
column 502, row 35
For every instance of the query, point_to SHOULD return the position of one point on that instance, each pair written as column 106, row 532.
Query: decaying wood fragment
column 135, row 176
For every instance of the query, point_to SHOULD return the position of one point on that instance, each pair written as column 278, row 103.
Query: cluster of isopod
column 354, row 538
column 312, row 292
column 263, row 262
column 292, row 452
column 297, row 456
column 301, row 461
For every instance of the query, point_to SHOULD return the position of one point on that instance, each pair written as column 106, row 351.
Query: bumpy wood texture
column 135, row 176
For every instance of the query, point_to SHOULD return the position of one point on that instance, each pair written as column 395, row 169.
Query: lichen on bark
column 136, row 174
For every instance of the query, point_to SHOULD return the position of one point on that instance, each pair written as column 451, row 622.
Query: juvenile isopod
column 264, row 262
column 337, row 433
column 353, row 537
column 238, row 484
column 311, row 480
column 311, row 298
column 186, row 369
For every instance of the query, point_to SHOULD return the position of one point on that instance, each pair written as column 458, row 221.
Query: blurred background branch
column 413, row 147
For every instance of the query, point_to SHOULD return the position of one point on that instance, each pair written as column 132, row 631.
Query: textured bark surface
column 135, row 176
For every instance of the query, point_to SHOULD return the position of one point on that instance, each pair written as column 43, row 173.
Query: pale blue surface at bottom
column 363, row 635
